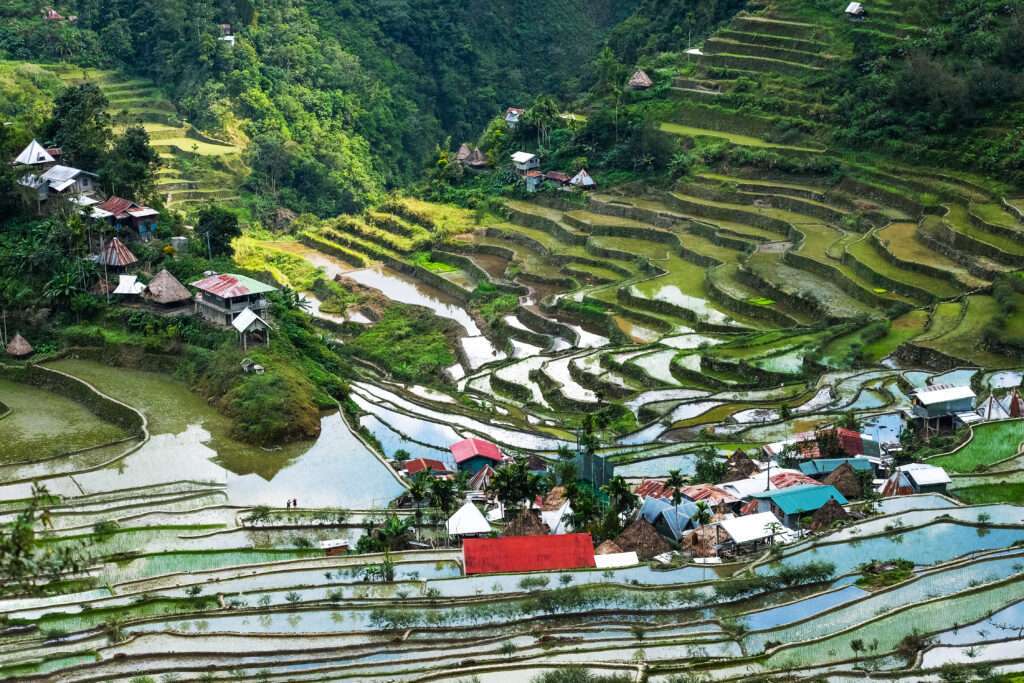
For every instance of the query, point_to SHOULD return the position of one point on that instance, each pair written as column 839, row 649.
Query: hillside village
column 672, row 374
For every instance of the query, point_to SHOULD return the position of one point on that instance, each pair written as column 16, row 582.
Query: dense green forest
column 337, row 100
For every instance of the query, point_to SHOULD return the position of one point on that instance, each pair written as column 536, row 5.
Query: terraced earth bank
column 783, row 285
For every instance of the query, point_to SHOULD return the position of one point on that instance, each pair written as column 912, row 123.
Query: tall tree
column 81, row 125
column 216, row 227
column 130, row 168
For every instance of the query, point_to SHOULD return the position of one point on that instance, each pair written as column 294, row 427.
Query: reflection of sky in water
column 408, row 291
column 656, row 467
column 337, row 471
column 391, row 441
column 955, row 377
column 424, row 431
column 884, row 428
column 785, row 614
column 1005, row 379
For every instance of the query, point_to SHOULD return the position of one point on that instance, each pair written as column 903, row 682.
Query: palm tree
column 676, row 482
column 442, row 494
column 394, row 532
column 503, row 486
column 620, row 496
column 703, row 515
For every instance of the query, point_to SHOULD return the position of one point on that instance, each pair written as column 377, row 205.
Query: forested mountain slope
column 336, row 100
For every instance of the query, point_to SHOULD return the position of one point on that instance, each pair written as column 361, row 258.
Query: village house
column 35, row 157
column 512, row 117
column 583, row 180
column 334, row 547
column 58, row 187
column 129, row 287
column 471, row 157
column 472, row 455
column 514, row 554
column 223, row 297
column 855, row 11
column 435, row 468
column 917, row 477
column 227, row 34
column 670, row 520
column 938, row 407
column 524, row 162
column 534, row 179
column 127, row 217
column 558, row 178
column 821, row 468
column 752, row 532
column 793, row 503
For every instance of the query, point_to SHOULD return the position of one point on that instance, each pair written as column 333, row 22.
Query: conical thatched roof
column 526, row 523
column 742, row 463
column 640, row 80
column 644, row 539
column 165, row 289
column 828, row 514
column 463, row 153
column 19, row 347
column 607, row 548
column 845, row 479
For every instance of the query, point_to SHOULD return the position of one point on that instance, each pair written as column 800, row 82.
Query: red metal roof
column 228, row 286
column 420, row 464
column 117, row 255
column 118, row 206
column 710, row 493
column 652, row 488
column 527, row 553
column 784, row 480
column 468, row 448
column 850, row 441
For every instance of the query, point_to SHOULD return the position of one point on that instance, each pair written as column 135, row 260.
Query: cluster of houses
column 527, row 167
column 51, row 187
column 758, row 503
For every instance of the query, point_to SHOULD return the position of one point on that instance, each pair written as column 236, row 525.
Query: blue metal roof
column 828, row 465
column 804, row 498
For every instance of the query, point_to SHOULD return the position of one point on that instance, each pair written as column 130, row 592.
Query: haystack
column 846, row 480
column 608, row 548
column 827, row 515
column 165, row 290
column 526, row 523
column 644, row 539
column 19, row 347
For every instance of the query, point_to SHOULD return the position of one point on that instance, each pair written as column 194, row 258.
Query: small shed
column 129, row 286
column 429, row 465
column 468, row 521
column 332, row 547
column 463, row 154
column 473, row 454
column 823, row 467
column 558, row 178
column 583, row 180
column 920, row 477
column 534, row 179
column 640, row 80
column 251, row 367
column 166, row 291
column 616, row 560
column 855, row 10
column 251, row 327
column 827, row 515
column 19, row 347
column 992, row 409
column 477, row 159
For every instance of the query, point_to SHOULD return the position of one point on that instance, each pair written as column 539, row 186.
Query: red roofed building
column 785, row 480
column 652, row 488
column 510, row 554
column 710, row 493
column 125, row 214
column 116, row 256
column 434, row 467
column 472, row 455
column 223, row 297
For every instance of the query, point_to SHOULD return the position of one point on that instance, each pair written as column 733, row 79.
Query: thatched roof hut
column 640, row 80
column 742, row 463
column 555, row 499
column 166, row 290
column 463, row 153
column 644, row 539
column 827, row 515
column 116, row 255
column 608, row 548
column 846, row 480
column 19, row 347
column 702, row 541
column 526, row 523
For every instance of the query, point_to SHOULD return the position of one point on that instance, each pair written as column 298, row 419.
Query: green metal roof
column 829, row 465
column 804, row 498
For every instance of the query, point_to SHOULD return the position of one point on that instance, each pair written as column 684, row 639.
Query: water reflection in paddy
column 407, row 290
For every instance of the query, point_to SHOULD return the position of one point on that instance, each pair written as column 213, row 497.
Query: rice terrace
column 633, row 341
